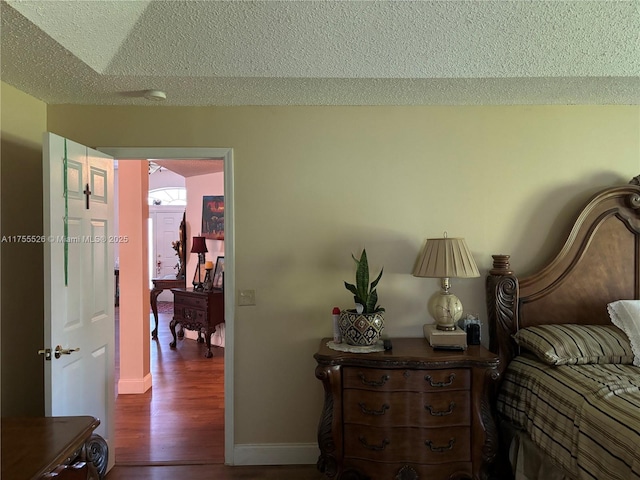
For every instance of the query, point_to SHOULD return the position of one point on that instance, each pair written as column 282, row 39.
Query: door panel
column 79, row 311
column 73, row 294
column 99, row 268
column 166, row 225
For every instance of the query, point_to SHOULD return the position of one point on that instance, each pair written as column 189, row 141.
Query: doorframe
column 198, row 153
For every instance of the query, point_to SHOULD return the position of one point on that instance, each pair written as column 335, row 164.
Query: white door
column 79, row 301
column 166, row 230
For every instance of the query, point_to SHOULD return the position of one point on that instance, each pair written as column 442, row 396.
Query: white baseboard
column 276, row 454
column 191, row 334
column 133, row 386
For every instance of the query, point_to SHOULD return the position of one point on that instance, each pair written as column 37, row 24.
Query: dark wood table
column 199, row 311
column 160, row 284
column 65, row 448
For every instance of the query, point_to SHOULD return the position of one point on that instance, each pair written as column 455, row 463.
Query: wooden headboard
column 599, row 263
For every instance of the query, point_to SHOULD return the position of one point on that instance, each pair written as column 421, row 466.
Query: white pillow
column 625, row 314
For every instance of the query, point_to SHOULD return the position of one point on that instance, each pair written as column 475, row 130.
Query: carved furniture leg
column 329, row 442
column 154, row 308
column 172, row 327
column 207, row 339
column 97, row 453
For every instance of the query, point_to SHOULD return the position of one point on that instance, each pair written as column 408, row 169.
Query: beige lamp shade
column 445, row 258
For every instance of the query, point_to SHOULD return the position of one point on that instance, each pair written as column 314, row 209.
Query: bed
column 568, row 400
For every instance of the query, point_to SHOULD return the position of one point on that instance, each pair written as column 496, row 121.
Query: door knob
column 59, row 351
column 64, row 351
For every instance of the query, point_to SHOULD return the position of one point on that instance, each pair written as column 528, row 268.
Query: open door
column 79, row 296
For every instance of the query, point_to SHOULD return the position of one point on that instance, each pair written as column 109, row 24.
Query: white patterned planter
column 360, row 328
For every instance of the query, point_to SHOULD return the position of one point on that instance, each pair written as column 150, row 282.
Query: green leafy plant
column 365, row 294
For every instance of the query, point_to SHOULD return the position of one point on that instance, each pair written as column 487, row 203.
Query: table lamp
column 207, row 284
column 445, row 258
column 198, row 246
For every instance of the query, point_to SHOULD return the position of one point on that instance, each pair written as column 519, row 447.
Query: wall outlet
column 247, row 297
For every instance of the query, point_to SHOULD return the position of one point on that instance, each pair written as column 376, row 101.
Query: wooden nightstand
column 410, row 413
column 199, row 311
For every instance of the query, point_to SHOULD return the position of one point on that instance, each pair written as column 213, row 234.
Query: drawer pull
column 441, row 413
column 448, row 447
column 376, row 448
column 373, row 383
column 440, row 384
column 368, row 411
column 188, row 314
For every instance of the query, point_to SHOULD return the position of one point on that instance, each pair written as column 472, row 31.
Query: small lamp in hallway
column 198, row 246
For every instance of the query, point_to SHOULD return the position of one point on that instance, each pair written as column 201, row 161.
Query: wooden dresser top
column 33, row 446
column 408, row 353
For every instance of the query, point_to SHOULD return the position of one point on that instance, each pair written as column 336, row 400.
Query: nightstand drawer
column 189, row 313
column 412, row 445
column 407, row 380
column 199, row 301
column 407, row 409
column 434, row 471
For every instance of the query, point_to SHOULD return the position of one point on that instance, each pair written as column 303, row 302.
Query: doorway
column 203, row 154
column 164, row 225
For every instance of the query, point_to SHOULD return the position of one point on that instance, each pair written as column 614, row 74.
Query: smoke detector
column 155, row 95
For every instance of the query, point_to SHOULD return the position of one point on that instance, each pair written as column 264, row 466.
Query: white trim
column 166, row 208
column 128, row 387
column 229, row 306
column 166, row 153
column 226, row 154
column 167, row 189
column 276, row 453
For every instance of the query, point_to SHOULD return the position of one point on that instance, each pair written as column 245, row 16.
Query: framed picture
column 213, row 217
column 218, row 273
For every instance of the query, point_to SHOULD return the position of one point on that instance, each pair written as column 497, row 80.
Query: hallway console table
column 159, row 285
column 64, row 448
column 199, row 311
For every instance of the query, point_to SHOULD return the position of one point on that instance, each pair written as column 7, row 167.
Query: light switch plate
column 247, row 297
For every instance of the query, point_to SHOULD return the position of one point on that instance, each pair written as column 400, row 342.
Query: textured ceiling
column 323, row 52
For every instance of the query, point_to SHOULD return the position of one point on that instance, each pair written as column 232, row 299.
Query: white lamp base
column 446, row 309
column 451, row 340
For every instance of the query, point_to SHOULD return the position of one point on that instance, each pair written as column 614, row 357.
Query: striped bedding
column 585, row 417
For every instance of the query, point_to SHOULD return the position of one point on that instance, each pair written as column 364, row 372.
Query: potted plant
column 363, row 324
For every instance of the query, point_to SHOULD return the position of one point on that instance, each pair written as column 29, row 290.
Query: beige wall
column 23, row 121
column 314, row 184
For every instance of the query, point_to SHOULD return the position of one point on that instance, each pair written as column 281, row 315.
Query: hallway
column 180, row 420
column 176, row 429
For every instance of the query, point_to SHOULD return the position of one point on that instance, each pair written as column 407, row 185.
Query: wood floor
column 176, row 429
column 217, row 472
